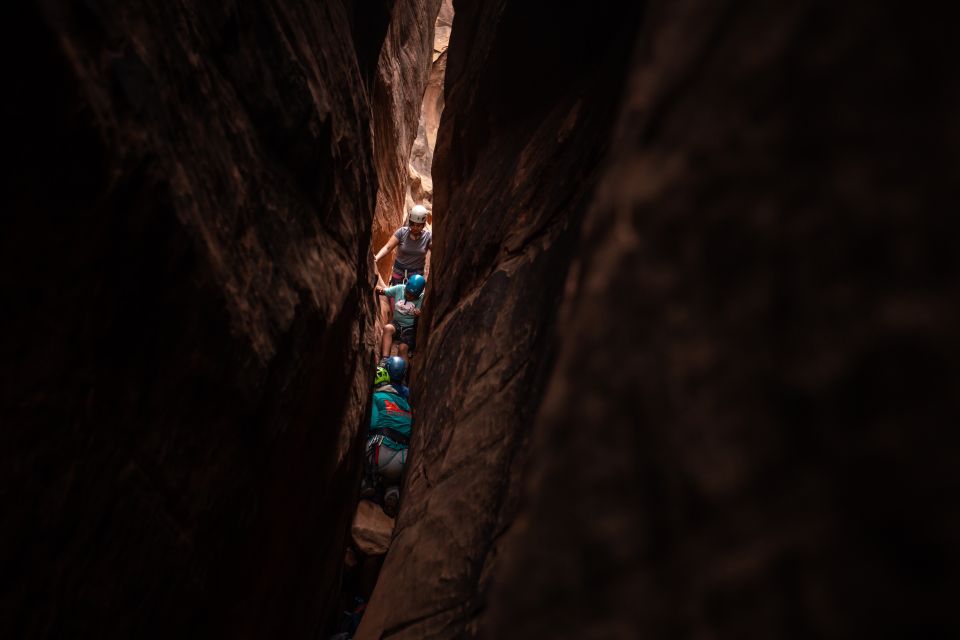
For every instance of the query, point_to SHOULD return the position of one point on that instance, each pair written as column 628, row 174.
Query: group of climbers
column 391, row 419
column 405, row 294
column 388, row 438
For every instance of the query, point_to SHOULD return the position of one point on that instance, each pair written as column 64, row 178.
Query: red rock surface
column 371, row 529
column 519, row 130
column 189, row 325
column 402, row 75
column 421, row 156
column 688, row 362
column 749, row 428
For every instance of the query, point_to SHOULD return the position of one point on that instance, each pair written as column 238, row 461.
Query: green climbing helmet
column 382, row 376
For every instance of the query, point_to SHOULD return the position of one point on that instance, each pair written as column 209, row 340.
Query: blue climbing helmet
column 396, row 367
column 416, row 284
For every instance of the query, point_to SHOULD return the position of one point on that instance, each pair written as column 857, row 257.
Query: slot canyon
column 688, row 359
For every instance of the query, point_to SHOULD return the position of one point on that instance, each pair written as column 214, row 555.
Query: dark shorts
column 406, row 335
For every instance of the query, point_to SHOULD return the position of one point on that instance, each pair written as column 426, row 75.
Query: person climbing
column 388, row 438
column 409, row 299
column 412, row 242
column 397, row 368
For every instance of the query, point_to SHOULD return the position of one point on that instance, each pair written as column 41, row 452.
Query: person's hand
column 416, row 312
column 379, row 290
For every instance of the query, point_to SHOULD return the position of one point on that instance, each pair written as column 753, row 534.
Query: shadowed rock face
column 755, row 445
column 519, row 151
column 689, row 355
column 750, row 427
column 370, row 21
column 186, row 266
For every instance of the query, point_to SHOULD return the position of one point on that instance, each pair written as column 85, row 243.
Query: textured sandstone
column 743, row 446
column 421, row 156
column 371, row 528
column 442, row 28
column 185, row 258
column 750, row 427
column 402, row 75
column 491, row 307
column 689, row 372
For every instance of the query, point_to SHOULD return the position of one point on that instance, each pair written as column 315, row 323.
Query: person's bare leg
column 402, row 349
column 383, row 302
column 388, row 332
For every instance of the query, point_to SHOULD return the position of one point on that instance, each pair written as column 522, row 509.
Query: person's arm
column 374, row 415
column 390, row 292
column 387, row 248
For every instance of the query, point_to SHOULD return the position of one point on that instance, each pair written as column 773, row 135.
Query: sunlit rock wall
column 402, row 75
column 421, row 156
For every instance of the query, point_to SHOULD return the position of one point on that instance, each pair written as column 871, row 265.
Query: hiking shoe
column 391, row 501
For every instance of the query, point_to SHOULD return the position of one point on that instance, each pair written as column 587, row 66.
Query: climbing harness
column 400, row 276
column 393, row 434
column 382, row 462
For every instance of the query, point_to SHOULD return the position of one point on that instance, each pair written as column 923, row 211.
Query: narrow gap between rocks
column 374, row 518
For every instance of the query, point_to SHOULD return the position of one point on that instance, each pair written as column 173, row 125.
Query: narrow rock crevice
column 399, row 98
column 686, row 364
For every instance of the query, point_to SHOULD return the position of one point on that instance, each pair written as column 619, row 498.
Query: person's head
column 415, row 286
column 417, row 219
column 396, row 367
column 382, row 377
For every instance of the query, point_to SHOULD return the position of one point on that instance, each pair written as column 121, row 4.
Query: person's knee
column 389, row 330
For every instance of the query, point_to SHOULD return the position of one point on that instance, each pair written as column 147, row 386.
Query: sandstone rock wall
column 754, row 442
column 689, row 355
column 749, row 427
column 421, row 156
column 184, row 366
column 518, row 148
column 402, row 74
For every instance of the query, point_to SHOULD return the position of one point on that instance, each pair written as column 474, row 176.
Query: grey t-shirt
column 411, row 254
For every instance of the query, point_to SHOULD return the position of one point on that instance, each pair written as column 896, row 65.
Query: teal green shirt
column 391, row 410
column 403, row 315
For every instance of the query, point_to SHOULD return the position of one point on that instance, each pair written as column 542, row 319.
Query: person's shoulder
column 402, row 232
